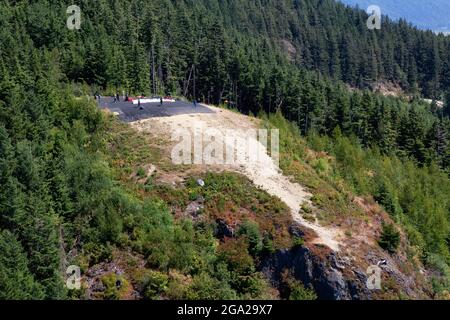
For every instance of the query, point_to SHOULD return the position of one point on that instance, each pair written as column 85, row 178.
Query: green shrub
column 141, row 172
column 386, row 197
column 153, row 283
column 441, row 279
column 317, row 199
column 390, row 238
column 321, row 165
column 306, row 208
column 115, row 286
column 205, row 287
column 235, row 253
column 267, row 245
column 298, row 242
column 299, row 292
column 253, row 286
column 250, row 230
column 96, row 253
column 16, row 280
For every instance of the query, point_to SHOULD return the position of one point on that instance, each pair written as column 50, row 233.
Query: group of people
column 117, row 99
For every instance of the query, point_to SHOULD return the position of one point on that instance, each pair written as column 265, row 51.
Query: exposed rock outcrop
column 331, row 277
column 223, row 230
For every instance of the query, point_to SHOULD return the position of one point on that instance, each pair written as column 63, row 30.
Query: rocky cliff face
column 344, row 275
column 331, row 277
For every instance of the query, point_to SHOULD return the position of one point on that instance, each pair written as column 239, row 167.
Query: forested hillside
column 234, row 51
column 298, row 56
column 326, row 36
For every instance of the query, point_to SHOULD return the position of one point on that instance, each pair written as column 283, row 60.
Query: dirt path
column 264, row 173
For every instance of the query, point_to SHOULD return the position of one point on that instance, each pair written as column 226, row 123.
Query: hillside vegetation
column 416, row 198
column 67, row 173
column 234, row 51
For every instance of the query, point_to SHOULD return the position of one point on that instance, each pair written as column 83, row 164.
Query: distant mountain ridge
column 430, row 14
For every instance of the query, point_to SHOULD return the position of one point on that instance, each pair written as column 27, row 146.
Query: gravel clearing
column 264, row 172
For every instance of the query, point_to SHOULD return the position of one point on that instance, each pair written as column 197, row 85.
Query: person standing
column 161, row 101
column 139, row 104
column 195, row 104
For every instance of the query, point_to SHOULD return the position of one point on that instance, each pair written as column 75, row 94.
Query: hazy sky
column 426, row 14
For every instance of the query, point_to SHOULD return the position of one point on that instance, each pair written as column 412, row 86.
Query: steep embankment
column 335, row 253
column 263, row 172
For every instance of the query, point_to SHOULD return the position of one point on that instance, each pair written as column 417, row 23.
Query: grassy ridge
column 340, row 168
